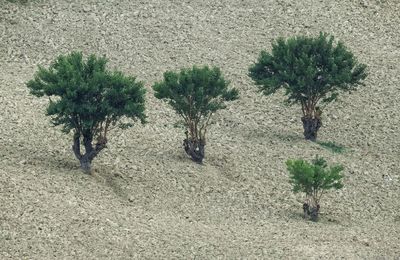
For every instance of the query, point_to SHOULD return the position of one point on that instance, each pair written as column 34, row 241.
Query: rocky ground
column 146, row 199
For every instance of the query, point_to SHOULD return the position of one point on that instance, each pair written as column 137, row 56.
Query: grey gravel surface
column 146, row 199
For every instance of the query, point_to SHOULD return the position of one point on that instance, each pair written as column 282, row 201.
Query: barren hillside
column 146, row 199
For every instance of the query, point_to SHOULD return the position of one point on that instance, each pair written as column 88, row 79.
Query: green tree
column 311, row 70
column 313, row 179
column 88, row 100
column 195, row 94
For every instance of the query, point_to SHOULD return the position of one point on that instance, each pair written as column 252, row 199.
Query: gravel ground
column 146, row 199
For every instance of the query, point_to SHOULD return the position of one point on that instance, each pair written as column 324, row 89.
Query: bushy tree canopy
column 310, row 69
column 312, row 178
column 195, row 93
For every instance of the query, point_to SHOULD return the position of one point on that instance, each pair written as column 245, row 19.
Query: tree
column 311, row 70
column 88, row 100
column 313, row 179
column 195, row 94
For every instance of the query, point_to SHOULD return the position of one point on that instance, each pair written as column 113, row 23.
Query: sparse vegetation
column 195, row 94
column 88, row 100
column 312, row 70
column 333, row 147
column 18, row 1
column 147, row 199
column 313, row 179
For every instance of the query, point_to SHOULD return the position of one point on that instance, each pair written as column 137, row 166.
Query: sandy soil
column 146, row 199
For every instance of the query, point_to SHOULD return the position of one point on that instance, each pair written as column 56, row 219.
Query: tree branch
column 76, row 147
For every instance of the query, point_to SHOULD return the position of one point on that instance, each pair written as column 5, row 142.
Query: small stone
column 118, row 174
column 22, row 162
column 365, row 242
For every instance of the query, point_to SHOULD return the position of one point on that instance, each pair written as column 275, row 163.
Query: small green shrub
column 314, row 179
column 88, row 100
column 195, row 94
column 312, row 70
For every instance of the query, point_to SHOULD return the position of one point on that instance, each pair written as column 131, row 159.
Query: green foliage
column 314, row 178
column 87, row 98
column 308, row 177
column 195, row 94
column 310, row 69
column 333, row 147
column 87, row 94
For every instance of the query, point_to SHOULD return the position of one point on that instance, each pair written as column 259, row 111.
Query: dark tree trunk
column 76, row 147
column 311, row 211
column 195, row 149
column 90, row 151
column 311, row 127
column 306, row 209
column 314, row 213
column 86, row 164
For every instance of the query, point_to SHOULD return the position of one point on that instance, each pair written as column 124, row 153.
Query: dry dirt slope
column 146, row 199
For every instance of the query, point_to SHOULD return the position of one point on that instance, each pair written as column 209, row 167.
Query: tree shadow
column 333, row 147
column 52, row 159
column 112, row 178
column 288, row 136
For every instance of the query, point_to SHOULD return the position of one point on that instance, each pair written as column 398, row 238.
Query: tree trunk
column 311, row 127
column 90, row 151
column 195, row 149
column 311, row 211
column 314, row 213
column 86, row 164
